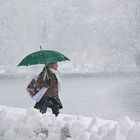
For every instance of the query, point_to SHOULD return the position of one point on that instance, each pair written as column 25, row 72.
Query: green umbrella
column 43, row 57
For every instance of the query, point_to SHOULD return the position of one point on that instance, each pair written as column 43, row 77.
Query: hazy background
column 97, row 35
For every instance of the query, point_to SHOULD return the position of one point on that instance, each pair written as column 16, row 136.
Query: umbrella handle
column 40, row 47
column 46, row 73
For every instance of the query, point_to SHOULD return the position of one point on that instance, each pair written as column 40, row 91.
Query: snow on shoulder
column 30, row 124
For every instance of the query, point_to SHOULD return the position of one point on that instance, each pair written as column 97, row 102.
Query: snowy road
column 104, row 97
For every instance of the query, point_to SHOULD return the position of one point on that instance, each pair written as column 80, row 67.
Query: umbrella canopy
column 43, row 57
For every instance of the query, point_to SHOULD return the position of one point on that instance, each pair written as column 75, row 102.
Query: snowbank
column 29, row 124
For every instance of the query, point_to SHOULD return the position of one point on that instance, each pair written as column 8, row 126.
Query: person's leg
column 55, row 110
column 43, row 109
column 41, row 105
column 57, row 101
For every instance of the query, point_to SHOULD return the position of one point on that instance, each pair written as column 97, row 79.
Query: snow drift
column 29, row 124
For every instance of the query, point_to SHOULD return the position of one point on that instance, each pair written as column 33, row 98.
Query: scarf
column 57, row 76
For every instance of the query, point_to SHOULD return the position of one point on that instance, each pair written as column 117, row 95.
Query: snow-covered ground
column 29, row 124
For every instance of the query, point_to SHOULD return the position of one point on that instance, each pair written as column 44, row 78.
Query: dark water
column 104, row 97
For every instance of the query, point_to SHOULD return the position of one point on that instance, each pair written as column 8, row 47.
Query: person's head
column 53, row 66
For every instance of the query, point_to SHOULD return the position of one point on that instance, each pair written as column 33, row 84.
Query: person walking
column 49, row 78
column 45, row 88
